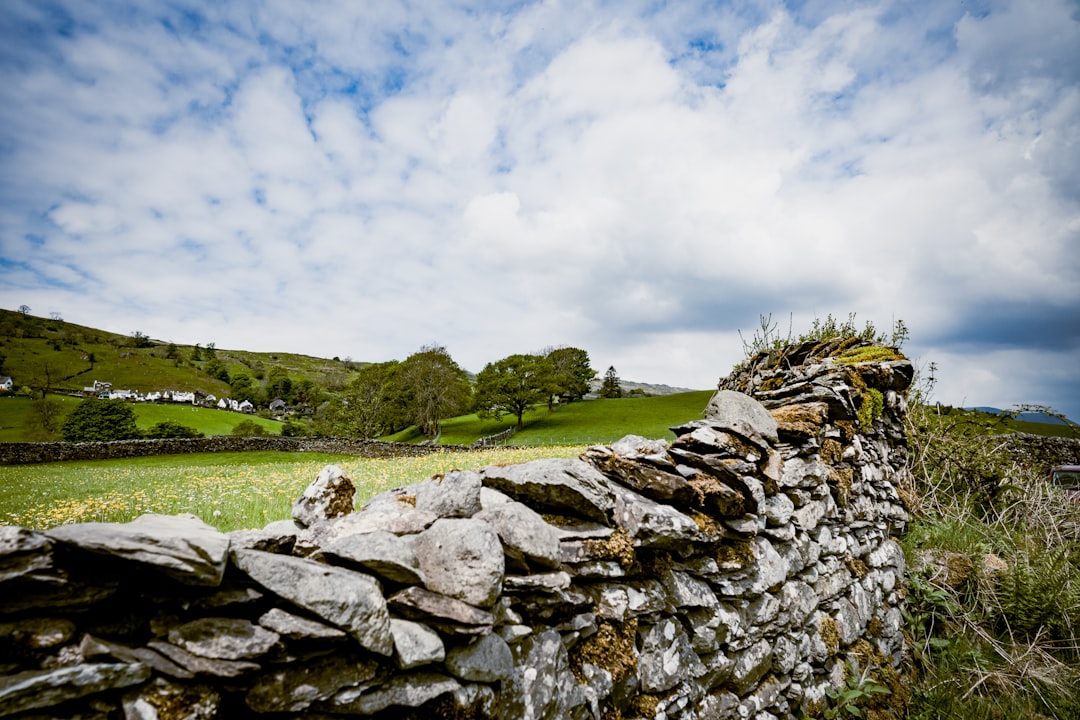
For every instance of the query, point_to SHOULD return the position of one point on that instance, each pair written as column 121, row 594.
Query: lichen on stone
column 618, row 547
column 612, row 648
column 871, row 408
column 830, row 634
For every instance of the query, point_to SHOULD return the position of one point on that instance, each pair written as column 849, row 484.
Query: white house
column 6, row 383
column 123, row 395
column 246, row 407
column 184, row 397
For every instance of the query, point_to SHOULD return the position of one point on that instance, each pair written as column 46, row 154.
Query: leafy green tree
column 571, row 372
column 96, row 420
column 249, row 428
column 375, row 402
column 44, row 420
column 216, row 369
column 172, row 429
column 513, row 385
column 140, row 340
column 3, row 357
column 293, row 428
column 279, row 385
column 243, row 388
column 436, row 388
column 196, row 353
column 611, row 387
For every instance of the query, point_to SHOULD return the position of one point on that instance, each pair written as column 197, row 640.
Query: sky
column 641, row 179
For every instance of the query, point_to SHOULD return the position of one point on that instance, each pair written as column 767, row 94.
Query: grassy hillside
column 67, row 357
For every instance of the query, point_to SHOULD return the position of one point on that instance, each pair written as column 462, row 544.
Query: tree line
column 429, row 386
column 381, row 399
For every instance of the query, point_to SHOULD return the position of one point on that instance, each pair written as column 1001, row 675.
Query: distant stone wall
column 1044, row 452
column 736, row 572
column 27, row 453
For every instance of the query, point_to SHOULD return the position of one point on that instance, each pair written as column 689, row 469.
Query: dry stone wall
column 39, row 452
column 736, row 572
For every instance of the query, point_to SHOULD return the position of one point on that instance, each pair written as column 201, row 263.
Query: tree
column 611, row 387
column 54, row 315
column 140, row 340
column 42, row 376
column 571, row 372
column 216, row 369
column 243, row 388
column 45, row 419
column 248, row 428
column 375, row 402
column 97, row 420
column 196, row 353
column 24, row 310
column 436, row 388
column 172, row 429
column 512, row 386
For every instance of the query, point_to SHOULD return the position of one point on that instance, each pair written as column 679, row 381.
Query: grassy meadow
column 230, row 491
column 14, row 411
column 581, row 423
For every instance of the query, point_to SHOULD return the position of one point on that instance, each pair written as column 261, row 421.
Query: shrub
column 97, row 420
column 172, row 429
column 249, row 428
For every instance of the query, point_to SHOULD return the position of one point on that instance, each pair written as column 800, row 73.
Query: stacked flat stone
column 731, row 573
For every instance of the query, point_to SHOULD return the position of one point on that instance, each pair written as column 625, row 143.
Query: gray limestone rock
column 181, row 546
column 396, row 518
column 347, row 600
column 743, row 414
column 541, row 685
column 750, row 666
column 462, row 559
column 197, row 664
column 415, row 644
column 331, row 495
column 650, row 473
column 92, row 648
column 296, row 687
column 527, row 539
column 36, row 633
column 36, row 689
column 380, row 552
column 277, row 537
column 666, row 656
column 453, row 495
column 223, row 638
column 408, row 690
column 295, row 627
column 652, row 524
column 558, row 485
column 687, row 591
column 487, row 659
column 23, row 552
column 441, row 612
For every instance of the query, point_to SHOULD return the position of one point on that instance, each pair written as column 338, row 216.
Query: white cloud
column 360, row 180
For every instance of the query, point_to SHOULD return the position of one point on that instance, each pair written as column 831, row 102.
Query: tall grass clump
column 994, row 576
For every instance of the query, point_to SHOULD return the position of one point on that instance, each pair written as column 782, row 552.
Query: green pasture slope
column 14, row 412
column 584, row 422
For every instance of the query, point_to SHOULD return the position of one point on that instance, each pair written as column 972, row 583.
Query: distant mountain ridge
column 1033, row 417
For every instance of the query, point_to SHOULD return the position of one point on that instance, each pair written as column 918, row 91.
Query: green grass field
column 14, row 411
column 583, row 422
column 228, row 490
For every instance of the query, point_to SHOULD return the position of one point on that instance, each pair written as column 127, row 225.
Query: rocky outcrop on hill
column 736, row 572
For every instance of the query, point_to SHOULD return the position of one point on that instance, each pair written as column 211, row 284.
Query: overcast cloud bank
column 640, row 180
